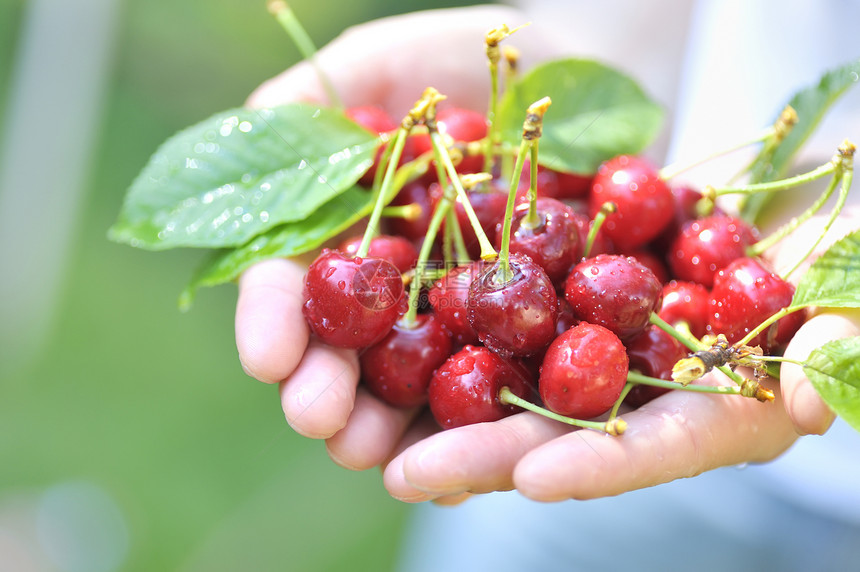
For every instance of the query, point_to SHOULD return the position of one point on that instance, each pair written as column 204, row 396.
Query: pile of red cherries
column 561, row 327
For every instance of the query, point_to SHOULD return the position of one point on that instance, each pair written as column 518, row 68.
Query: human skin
column 387, row 63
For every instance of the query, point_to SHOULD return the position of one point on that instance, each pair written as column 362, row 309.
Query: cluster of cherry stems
column 597, row 282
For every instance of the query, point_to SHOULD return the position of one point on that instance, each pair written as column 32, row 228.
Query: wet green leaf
column 834, row 370
column 596, row 113
column 240, row 173
column 833, row 280
column 289, row 239
column 811, row 104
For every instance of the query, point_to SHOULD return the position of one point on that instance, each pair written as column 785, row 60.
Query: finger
column 476, row 458
column 271, row 332
column 453, row 500
column 807, row 410
column 392, row 474
column 370, row 434
column 394, row 50
column 318, row 397
column 680, row 434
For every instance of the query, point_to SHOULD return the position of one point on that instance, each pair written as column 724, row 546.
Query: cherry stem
column 442, row 209
column 780, row 185
column 781, row 128
column 613, row 427
column 847, row 176
column 487, row 250
column 636, row 377
column 675, row 169
column 780, row 314
column 606, row 209
column 409, row 212
column 691, row 343
column 532, row 220
column 492, row 39
column 291, row 24
column 382, row 197
column 505, row 252
column 613, row 413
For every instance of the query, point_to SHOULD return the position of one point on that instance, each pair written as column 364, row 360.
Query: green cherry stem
column 291, row 24
column 777, row 316
column 613, row 413
column 505, row 251
column 780, row 185
column 606, row 209
column 847, row 169
column 613, row 427
column 531, row 220
column 491, row 46
column 382, row 196
column 636, row 377
column 409, row 212
column 487, row 250
column 442, row 209
column 675, row 169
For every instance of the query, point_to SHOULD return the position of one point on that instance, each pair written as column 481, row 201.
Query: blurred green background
column 130, row 438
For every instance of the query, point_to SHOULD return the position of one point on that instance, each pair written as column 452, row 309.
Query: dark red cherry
column 552, row 243
column 395, row 249
column 449, row 297
column 489, row 206
column 352, row 302
column 686, row 302
column 514, row 316
column 706, row 245
column 377, row 121
column 583, row 372
column 654, row 353
column 547, row 183
column 653, row 262
column 686, row 209
column 745, row 294
column 398, row 369
column 573, row 186
column 644, row 201
column 465, row 389
column 615, row 291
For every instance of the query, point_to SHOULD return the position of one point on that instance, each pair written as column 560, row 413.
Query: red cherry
column 465, row 389
column 686, row 302
column 583, row 372
column 644, row 201
column 614, row 291
column 395, row 249
column 573, row 186
column 745, row 294
column 553, row 244
column 706, row 245
column 653, row 262
column 398, row 369
column 654, row 353
column 449, row 298
column 516, row 317
column 352, row 302
column 377, row 121
column 602, row 242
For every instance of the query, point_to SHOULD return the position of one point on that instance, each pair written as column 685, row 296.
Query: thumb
column 804, row 406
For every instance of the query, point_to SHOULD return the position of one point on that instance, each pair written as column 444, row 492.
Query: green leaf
column 834, row 370
column 833, row 280
column 289, row 239
column 596, row 113
column 241, row 172
column 811, row 104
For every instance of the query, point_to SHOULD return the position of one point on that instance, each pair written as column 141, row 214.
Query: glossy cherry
column 615, row 291
column 517, row 316
column 602, row 242
column 654, row 353
column 644, row 201
column 395, row 249
column 573, row 186
column 449, row 297
column 686, row 302
column 465, row 389
column 708, row 244
column 352, row 302
column 398, row 369
column 745, row 293
column 377, row 121
column 552, row 243
column 583, row 372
